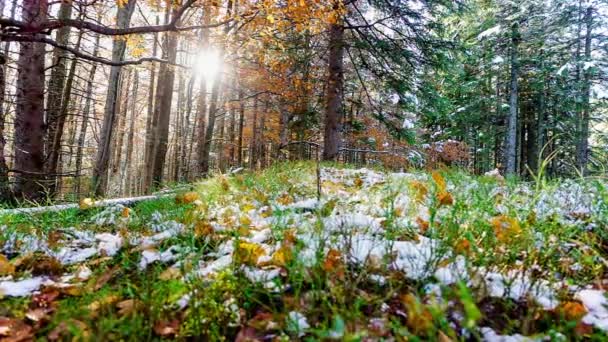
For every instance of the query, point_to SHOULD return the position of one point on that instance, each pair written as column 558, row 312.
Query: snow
column 109, row 244
column 297, row 323
column 21, row 288
column 489, row 32
column 597, row 307
column 489, row 335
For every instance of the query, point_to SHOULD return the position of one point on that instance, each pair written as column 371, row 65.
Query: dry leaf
column 6, row 268
column 419, row 318
column 125, row 212
column 14, row 330
column 333, row 263
column 166, row 328
column 86, row 203
column 170, row 273
column 248, row 253
column 64, row 329
column 505, row 228
column 128, row 307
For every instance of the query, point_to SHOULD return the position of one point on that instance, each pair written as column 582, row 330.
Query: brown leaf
column 166, row 328
column 170, row 273
column 14, row 330
column 248, row 334
column 65, row 329
column 38, row 314
column 46, row 297
column 105, row 278
column 6, row 268
column 128, row 307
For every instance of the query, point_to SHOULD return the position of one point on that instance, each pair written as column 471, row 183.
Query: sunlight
column 208, row 64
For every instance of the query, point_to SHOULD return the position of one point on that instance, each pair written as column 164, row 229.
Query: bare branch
column 79, row 54
column 49, row 25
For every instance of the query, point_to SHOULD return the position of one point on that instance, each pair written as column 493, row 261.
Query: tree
column 29, row 114
column 511, row 144
column 100, row 174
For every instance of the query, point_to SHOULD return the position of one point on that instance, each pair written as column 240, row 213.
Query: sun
column 208, row 64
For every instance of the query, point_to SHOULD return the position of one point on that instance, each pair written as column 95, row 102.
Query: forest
column 274, row 170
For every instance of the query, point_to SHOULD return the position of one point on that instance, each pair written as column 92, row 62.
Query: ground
column 382, row 255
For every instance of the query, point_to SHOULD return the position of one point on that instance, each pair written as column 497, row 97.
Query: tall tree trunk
column 56, row 86
column 5, row 190
column 85, row 119
column 29, row 115
column 127, row 168
column 213, row 109
column 511, row 142
column 163, row 108
column 120, row 124
column 253, row 154
column 214, row 103
column 100, row 173
column 149, row 143
column 241, row 124
column 582, row 150
column 188, row 129
column 334, row 93
column 60, row 119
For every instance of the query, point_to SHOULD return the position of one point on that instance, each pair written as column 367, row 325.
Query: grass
column 491, row 225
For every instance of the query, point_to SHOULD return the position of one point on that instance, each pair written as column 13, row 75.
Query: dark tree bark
column 582, row 150
column 511, row 141
column 163, row 108
column 29, row 115
column 334, row 93
column 100, row 173
column 241, row 125
column 56, row 84
column 60, row 119
column 5, row 191
column 85, row 119
column 127, row 168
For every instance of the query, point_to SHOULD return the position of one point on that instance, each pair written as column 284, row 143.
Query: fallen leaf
column 202, row 229
column 285, row 199
column 166, row 328
column 86, row 203
column 333, row 263
column 125, row 212
column 170, row 273
column 248, row 253
column 46, row 297
column 419, row 317
column 106, row 277
column 67, row 328
column 445, row 198
column 38, row 314
column 14, row 330
column 505, row 228
column 95, row 306
column 128, row 307
column 571, row 310
column 6, row 268
column 187, row 198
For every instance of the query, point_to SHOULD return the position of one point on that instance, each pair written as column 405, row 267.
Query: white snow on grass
column 597, row 307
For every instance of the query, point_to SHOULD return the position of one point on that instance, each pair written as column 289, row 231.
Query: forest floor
column 255, row 256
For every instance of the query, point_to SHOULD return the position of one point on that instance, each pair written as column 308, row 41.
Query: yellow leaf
column 170, row 273
column 505, row 228
column 86, row 203
column 282, row 256
column 248, row 253
column 6, row 268
column 270, row 18
column 439, row 180
column 125, row 212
